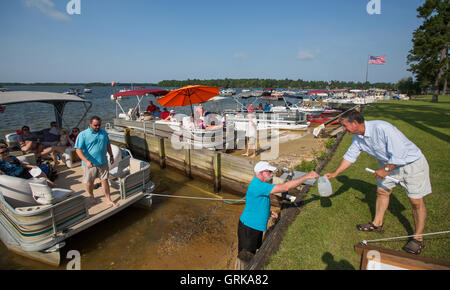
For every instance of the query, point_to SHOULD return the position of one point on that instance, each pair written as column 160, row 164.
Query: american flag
column 377, row 59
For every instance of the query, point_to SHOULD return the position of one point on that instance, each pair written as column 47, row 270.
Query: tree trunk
column 434, row 99
column 445, row 81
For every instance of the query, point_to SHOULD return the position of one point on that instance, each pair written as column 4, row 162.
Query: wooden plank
column 207, row 175
column 400, row 259
column 162, row 153
column 234, row 185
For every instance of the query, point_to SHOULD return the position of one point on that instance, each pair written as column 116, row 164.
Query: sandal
column 414, row 246
column 370, row 227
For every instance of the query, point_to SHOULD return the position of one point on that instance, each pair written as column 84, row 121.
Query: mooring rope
column 395, row 238
column 195, row 197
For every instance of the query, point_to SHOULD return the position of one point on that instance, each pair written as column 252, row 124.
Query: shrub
column 306, row 166
column 330, row 143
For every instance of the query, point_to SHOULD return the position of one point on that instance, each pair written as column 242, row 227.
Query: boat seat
column 17, row 191
column 133, row 179
column 28, row 158
column 43, row 194
column 70, row 157
column 117, row 153
column 122, row 169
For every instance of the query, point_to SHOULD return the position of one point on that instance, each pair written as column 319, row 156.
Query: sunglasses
column 4, row 151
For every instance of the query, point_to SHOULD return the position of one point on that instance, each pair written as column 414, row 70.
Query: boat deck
column 72, row 178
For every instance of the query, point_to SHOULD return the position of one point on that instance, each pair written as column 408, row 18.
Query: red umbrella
column 188, row 95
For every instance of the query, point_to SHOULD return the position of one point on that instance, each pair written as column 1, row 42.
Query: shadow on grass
column 370, row 191
column 429, row 116
column 328, row 258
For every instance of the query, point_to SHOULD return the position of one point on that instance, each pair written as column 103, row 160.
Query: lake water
column 39, row 115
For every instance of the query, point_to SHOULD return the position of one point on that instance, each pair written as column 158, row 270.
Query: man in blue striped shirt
column 398, row 158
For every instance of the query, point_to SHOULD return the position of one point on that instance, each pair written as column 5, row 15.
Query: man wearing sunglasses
column 254, row 218
column 91, row 146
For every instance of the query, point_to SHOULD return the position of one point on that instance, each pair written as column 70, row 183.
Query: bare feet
column 113, row 204
column 245, row 154
column 253, row 156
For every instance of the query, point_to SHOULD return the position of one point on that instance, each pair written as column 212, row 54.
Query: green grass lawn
column 324, row 233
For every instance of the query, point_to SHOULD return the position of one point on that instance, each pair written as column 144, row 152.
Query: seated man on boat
column 151, row 108
column 12, row 166
column 29, row 141
column 50, row 140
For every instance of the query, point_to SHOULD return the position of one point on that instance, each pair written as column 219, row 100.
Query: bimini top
column 155, row 92
column 16, row 97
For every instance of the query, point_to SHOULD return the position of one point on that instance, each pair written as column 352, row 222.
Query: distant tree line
column 94, row 84
column 273, row 83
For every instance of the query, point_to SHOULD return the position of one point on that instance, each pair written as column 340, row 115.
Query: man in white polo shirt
column 397, row 157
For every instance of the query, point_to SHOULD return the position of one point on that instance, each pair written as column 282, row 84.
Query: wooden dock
column 215, row 167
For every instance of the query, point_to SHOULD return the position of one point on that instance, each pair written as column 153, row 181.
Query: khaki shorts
column 251, row 142
column 90, row 174
column 414, row 178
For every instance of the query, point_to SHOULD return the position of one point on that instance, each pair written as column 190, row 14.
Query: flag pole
column 367, row 69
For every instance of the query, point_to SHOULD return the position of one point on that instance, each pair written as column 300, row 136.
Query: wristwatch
column 386, row 169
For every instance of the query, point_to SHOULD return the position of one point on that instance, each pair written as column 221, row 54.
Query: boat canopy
column 317, row 92
column 155, row 92
column 58, row 101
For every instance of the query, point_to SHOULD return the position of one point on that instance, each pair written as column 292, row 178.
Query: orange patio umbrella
column 188, row 95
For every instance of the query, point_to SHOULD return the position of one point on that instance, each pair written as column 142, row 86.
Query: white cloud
column 305, row 55
column 240, row 55
column 47, row 7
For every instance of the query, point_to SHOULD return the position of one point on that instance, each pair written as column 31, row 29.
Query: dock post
column 187, row 161
column 162, row 153
column 217, row 172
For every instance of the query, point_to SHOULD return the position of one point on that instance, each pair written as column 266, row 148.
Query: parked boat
column 227, row 92
column 269, row 120
column 87, row 90
column 37, row 228
column 320, row 119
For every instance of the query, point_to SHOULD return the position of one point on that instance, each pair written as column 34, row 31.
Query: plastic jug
column 324, row 186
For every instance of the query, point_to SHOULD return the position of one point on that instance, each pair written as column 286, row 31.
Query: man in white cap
column 254, row 218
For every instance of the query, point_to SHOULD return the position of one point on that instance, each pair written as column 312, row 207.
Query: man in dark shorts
column 254, row 218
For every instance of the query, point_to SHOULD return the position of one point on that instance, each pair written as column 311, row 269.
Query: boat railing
column 42, row 223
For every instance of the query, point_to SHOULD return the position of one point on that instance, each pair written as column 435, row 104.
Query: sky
column 145, row 41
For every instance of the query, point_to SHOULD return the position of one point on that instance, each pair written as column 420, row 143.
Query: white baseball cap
column 263, row 165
